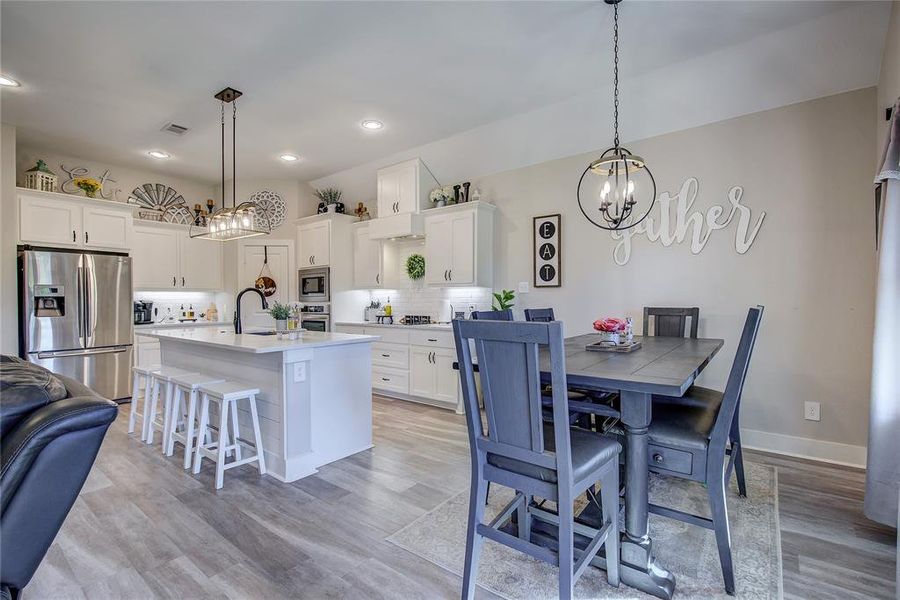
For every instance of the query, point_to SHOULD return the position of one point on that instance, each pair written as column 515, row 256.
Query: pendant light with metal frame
column 617, row 190
column 240, row 220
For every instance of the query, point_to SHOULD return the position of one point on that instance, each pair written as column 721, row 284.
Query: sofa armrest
column 22, row 445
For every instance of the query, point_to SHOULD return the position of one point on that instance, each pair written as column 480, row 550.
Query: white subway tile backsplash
column 170, row 303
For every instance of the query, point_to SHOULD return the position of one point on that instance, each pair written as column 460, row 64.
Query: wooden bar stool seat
column 226, row 395
column 184, row 412
column 141, row 382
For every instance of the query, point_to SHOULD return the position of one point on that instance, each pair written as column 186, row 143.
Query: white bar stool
column 160, row 377
column 227, row 394
column 139, row 373
column 186, row 385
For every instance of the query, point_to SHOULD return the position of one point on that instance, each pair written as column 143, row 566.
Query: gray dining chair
column 493, row 315
column 690, row 440
column 520, row 450
column 604, row 419
column 670, row 322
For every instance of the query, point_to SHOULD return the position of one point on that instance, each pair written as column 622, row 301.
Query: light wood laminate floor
column 144, row 528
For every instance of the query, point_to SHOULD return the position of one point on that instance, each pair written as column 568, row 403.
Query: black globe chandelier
column 617, row 190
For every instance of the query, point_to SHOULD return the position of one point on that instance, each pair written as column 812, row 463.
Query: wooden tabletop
column 662, row 365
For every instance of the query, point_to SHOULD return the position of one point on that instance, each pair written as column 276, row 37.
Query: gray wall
column 809, row 167
column 9, row 326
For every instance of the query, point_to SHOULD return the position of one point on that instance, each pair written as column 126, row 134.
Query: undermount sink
column 260, row 332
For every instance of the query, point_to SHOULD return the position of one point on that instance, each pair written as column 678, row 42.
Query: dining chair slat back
column 513, row 450
column 539, row 315
column 492, row 315
column 671, row 322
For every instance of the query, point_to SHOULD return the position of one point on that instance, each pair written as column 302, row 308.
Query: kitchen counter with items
column 434, row 326
column 179, row 325
column 315, row 400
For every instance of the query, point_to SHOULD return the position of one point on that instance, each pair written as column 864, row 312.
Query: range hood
column 403, row 225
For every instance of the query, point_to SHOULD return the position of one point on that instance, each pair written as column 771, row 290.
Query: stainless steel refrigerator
column 76, row 316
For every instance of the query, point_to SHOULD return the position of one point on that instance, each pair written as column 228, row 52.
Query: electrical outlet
column 299, row 372
column 523, row 287
column 812, row 411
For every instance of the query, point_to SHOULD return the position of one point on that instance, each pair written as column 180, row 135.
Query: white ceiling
column 101, row 78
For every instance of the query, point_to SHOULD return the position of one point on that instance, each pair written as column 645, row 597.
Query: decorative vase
column 610, row 337
column 281, row 325
column 332, row 208
column 440, row 203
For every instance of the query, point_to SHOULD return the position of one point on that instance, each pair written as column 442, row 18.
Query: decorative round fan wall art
column 161, row 203
column 270, row 207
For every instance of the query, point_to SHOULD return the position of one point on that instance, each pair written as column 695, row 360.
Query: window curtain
column 883, row 469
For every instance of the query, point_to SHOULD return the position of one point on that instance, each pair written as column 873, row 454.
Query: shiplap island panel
column 315, row 405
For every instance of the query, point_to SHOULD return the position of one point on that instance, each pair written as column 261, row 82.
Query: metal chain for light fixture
column 615, row 169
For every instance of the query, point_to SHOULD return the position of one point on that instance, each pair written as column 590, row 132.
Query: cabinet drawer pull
column 432, row 340
column 174, row 282
column 377, row 278
column 86, row 237
column 182, row 282
column 73, row 235
column 385, row 379
column 450, row 274
column 658, row 458
column 386, row 355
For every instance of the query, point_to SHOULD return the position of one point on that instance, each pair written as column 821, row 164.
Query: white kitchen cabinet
column 201, row 263
column 61, row 220
column 165, row 257
column 413, row 363
column 431, row 374
column 403, row 188
column 314, row 244
column 368, row 260
column 146, row 351
column 154, row 258
column 107, row 228
column 459, row 245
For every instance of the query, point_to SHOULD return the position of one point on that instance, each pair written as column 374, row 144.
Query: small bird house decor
column 40, row 177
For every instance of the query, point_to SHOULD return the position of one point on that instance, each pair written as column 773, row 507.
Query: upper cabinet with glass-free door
column 403, row 188
column 66, row 221
column 164, row 257
column 459, row 246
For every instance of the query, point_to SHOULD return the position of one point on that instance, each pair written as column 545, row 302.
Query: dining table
column 666, row 366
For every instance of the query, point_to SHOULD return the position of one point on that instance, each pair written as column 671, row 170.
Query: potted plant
column 439, row 197
column 503, row 300
column 330, row 196
column 610, row 330
column 281, row 313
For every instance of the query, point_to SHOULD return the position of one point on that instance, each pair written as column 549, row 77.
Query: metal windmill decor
column 161, row 203
column 617, row 190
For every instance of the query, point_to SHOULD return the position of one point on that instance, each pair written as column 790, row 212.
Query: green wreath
column 415, row 266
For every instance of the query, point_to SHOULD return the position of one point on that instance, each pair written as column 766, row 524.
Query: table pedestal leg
column 639, row 567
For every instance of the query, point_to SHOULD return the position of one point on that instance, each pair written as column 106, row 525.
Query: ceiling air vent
column 175, row 128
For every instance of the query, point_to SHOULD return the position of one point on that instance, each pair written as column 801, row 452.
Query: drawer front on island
column 432, row 338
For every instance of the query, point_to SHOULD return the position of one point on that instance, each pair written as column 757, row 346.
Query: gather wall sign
column 697, row 226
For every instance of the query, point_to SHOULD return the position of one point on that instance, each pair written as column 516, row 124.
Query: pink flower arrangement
column 610, row 325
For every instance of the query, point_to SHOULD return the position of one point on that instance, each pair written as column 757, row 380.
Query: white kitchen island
column 315, row 404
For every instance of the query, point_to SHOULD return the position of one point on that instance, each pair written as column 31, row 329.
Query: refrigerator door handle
column 88, row 352
column 90, row 323
column 80, row 301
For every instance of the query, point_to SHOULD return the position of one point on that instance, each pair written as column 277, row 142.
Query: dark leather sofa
column 51, row 428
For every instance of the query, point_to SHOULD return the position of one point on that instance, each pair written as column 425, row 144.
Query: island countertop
column 257, row 344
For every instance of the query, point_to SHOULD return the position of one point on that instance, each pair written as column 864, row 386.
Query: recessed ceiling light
column 289, row 157
column 372, row 124
column 158, row 154
column 8, row 81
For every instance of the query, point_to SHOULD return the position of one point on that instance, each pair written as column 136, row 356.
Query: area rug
column 688, row 551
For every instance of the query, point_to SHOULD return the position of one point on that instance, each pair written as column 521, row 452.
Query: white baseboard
column 830, row 452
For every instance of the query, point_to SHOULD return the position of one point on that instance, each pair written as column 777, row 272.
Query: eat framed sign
column 547, row 261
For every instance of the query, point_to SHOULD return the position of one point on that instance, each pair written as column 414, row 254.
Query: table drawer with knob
column 669, row 459
column 390, row 380
column 390, row 355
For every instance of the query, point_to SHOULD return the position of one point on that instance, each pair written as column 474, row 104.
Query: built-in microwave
column 314, row 285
